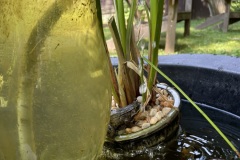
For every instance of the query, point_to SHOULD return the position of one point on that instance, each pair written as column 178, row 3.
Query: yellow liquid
column 55, row 95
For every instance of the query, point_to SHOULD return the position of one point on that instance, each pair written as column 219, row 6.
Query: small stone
column 128, row 130
column 140, row 123
column 165, row 92
column 139, row 99
column 167, row 104
column 157, row 102
column 153, row 120
column 165, row 110
column 135, row 129
column 153, row 111
column 159, row 115
column 146, row 125
column 141, row 116
column 157, row 107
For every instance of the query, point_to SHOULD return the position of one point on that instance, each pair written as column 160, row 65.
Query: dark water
column 196, row 139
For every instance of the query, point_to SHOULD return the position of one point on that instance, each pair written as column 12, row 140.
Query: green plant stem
column 195, row 105
column 130, row 28
column 156, row 23
column 149, row 31
column 153, row 17
column 121, row 24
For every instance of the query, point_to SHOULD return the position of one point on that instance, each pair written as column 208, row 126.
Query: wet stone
column 166, row 110
column 146, row 125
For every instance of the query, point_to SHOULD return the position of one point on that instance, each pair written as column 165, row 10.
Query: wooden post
column 186, row 27
column 188, row 8
column 188, row 5
column 226, row 16
column 171, row 29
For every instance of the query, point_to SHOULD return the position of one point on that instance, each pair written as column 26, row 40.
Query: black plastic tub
column 213, row 82
column 208, row 79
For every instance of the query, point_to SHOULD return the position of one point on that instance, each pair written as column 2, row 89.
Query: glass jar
column 54, row 81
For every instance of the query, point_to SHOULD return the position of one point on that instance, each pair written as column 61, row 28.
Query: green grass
column 211, row 41
column 208, row 40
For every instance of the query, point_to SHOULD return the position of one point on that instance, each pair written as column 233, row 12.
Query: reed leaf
column 121, row 24
column 131, row 51
column 149, row 25
column 116, row 39
column 135, row 79
column 130, row 28
column 156, row 23
column 114, row 83
column 153, row 17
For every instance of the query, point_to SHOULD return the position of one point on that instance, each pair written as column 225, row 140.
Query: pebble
column 157, row 107
column 167, row 104
column 146, row 125
column 128, row 130
column 165, row 92
column 142, row 116
column 153, row 111
column 151, row 115
column 139, row 99
column 165, row 110
column 140, row 123
column 135, row 129
column 162, row 98
column 159, row 115
column 153, row 120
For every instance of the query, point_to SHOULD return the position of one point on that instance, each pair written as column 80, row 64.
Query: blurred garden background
column 211, row 40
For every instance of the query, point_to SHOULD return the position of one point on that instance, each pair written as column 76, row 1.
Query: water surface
column 196, row 138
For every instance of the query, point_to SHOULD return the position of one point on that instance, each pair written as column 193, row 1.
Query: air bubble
column 143, row 88
column 154, row 44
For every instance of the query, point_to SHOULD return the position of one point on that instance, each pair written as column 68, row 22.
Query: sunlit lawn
column 207, row 40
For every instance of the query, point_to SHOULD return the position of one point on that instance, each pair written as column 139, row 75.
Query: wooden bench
column 222, row 17
column 176, row 14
